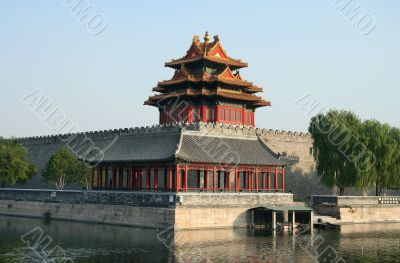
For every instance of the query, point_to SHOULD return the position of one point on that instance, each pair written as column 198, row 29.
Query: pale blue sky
column 293, row 48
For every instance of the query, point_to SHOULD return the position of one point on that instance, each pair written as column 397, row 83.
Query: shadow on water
column 106, row 243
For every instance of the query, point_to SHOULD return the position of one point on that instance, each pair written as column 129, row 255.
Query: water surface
column 33, row 240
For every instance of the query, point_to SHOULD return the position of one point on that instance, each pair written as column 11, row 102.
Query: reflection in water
column 104, row 243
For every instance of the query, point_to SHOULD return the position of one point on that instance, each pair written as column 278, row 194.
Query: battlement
column 206, row 128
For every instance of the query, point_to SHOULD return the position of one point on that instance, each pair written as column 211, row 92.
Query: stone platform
column 136, row 208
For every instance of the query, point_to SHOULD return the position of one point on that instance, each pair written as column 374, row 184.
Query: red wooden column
column 268, row 180
column 276, row 179
column 205, row 179
column 250, row 180
column 98, row 170
column 165, row 178
column 218, row 179
column 253, row 183
column 114, row 177
column 256, row 178
column 92, row 181
column 134, row 179
column 244, row 179
column 214, row 179
column 204, row 113
column 263, row 180
column 217, row 113
column 283, row 179
column 148, row 172
column 155, row 177
column 243, row 111
column 236, row 180
column 198, row 179
column 170, row 172
column 120, row 177
column 186, row 178
column 224, row 173
column 139, row 174
column 138, row 179
column 105, row 183
column 189, row 114
column 228, row 180
column 129, row 177
column 177, row 179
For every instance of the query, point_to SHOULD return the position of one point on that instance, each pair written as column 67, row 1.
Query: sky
column 99, row 77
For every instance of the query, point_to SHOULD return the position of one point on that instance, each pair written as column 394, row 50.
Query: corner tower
column 207, row 87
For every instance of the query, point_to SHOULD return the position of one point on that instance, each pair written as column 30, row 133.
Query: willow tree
column 14, row 166
column 395, row 162
column 383, row 141
column 64, row 168
column 335, row 134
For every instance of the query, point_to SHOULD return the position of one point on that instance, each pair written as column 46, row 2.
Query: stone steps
column 326, row 219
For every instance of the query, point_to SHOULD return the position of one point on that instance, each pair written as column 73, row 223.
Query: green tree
column 64, row 168
column 14, row 167
column 395, row 163
column 383, row 141
column 335, row 134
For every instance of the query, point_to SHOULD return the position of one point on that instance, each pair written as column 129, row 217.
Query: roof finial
column 207, row 37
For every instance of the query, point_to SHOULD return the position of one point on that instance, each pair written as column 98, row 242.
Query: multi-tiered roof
column 207, row 71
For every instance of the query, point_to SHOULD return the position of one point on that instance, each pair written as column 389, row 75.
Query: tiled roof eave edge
column 264, row 144
column 179, row 145
column 283, row 162
column 250, row 137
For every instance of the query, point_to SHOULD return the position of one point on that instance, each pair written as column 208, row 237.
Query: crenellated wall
column 301, row 178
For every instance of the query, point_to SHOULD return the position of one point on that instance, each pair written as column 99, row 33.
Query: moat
column 104, row 243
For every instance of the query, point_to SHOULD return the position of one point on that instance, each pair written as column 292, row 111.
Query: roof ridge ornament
column 196, row 38
column 206, row 37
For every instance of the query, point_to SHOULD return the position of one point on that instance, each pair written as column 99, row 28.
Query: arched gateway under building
column 184, row 154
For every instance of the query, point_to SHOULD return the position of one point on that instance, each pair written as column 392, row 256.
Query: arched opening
column 280, row 217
